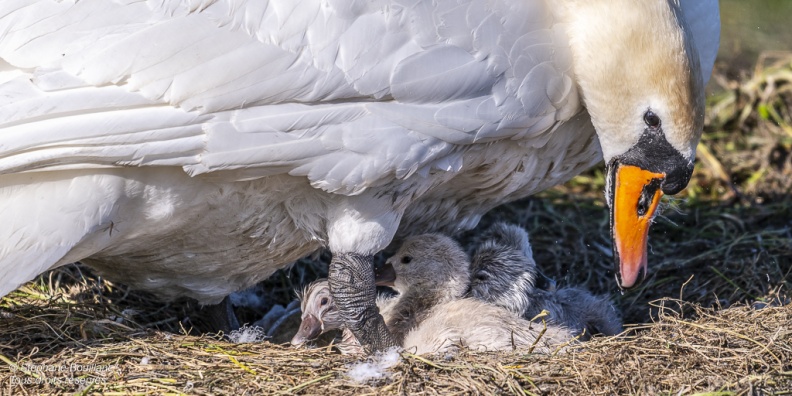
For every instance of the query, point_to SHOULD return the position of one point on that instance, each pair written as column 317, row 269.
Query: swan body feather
column 193, row 147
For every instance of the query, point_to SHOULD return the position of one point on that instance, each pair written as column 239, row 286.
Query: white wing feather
column 347, row 93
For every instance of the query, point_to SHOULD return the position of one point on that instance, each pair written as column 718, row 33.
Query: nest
column 740, row 350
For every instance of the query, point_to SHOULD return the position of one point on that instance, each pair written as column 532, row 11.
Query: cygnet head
column 428, row 262
column 319, row 313
column 503, row 271
column 509, row 236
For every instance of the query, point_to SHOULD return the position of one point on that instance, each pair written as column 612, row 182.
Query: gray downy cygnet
column 430, row 314
column 503, row 272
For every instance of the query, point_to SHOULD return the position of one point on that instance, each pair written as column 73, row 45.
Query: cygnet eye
column 651, row 119
column 406, row 259
column 481, row 277
column 323, row 301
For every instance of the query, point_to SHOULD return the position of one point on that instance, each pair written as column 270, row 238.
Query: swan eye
column 651, row 119
column 323, row 302
column 406, row 260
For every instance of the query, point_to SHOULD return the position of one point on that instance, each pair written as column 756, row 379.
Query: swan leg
column 221, row 316
column 351, row 279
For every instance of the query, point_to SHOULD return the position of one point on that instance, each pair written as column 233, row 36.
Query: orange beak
column 636, row 193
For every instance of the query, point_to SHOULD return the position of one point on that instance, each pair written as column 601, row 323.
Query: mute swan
column 432, row 275
column 427, row 271
column 319, row 312
column 320, row 315
column 430, row 315
column 503, row 272
column 191, row 148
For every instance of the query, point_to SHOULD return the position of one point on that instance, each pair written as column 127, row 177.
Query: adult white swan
column 193, row 147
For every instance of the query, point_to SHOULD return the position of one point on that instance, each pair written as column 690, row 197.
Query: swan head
column 428, row 262
column 639, row 73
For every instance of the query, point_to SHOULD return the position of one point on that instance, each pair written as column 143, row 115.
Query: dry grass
column 734, row 351
column 723, row 251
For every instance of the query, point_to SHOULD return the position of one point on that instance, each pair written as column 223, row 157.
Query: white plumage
column 191, row 148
